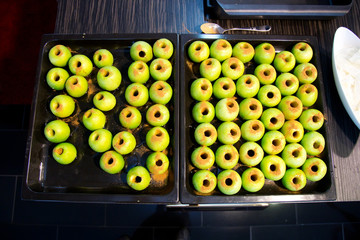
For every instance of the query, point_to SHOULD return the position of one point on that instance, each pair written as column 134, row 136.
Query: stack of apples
column 74, row 88
column 268, row 110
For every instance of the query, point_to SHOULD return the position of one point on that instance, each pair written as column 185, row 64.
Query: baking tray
column 323, row 190
column 276, row 9
column 83, row 180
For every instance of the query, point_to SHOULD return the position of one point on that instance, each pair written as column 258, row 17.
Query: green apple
column 252, row 179
column 228, row 133
column 312, row 119
column 264, row 53
column 293, row 131
column 141, row 51
column 251, row 153
column 205, row 134
column 160, row 92
column 204, row 181
column 76, row 86
column 313, row 142
column 247, row 86
column 81, row 65
column 160, row 69
column 157, row 139
column 56, row 78
column 227, row 109
column 315, row 169
column 138, row 178
column 57, row 131
column 100, row 140
column 291, row 107
column 203, row 112
column 203, row 157
column 62, row 106
column 224, row 87
column 226, row 156
column 201, row 89
column 294, row 155
column 102, row 58
column 229, row 182
column 157, row 163
column 243, row 51
column 163, row 48
column 64, row 153
column 210, row 69
column 138, row 71
column 220, row 49
column 111, row 162
column 252, row 130
column 273, row 167
column 269, row 95
column 130, row 117
column 157, row 115
column 250, row 108
column 308, row 94
column 303, row 52
column 232, row 68
column 94, row 119
column 273, row 142
column 287, row 83
column 284, row 61
column 294, row 179
column 109, row 78
column 306, row 72
column 105, row 101
column 273, row 119
column 136, row 94
column 124, row 142
column 198, row 51
column 59, row 55
column 266, row 73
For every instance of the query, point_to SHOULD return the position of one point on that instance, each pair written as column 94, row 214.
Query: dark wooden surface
column 186, row 16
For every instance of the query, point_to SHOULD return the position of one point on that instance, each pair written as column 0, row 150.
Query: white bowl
column 346, row 52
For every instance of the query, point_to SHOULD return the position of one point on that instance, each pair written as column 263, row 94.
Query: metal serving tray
column 272, row 191
column 83, row 180
column 277, row 9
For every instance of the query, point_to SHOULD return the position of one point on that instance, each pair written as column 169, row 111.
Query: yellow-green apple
column 137, row 94
column 130, row 117
column 160, row 69
column 109, row 78
column 76, row 86
column 94, row 119
column 303, row 52
column 220, row 49
column 57, row 131
column 56, row 78
column 293, row 131
column 64, row 153
column 160, row 92
column 157, row 163
column 264, row 53
column 141, row 50
column 157, row 139
column 80, row 64
column 250, row 108
column 59, row 55
column 226, row 156
column 315, row 169
column 269, row 95
column 210, row 69
column 62, row 106
column 163, row 48
column 157, row 115
column 138, row 178
column 224, row 87
column 100, row 140
column 294, row 155
column 124, row 142
column 102, row 58
column 205, row 134
column 203, row 111
column 247, row 86
column 273, row 142
column 273, row 167
column 138, row 71
column 306, row 72
column 287, row 83
column 253, row 179
column 291, row 107
column 266, row 73
column 308, row 94
column 104, row 100
column 243, row 51
column 294, row 179
column 252, row 130
column 232, row 68
column 313, row 142
column 284, row 61
column 227, row 109
column 228, row 133
column 312, row 119
column 201, row 89
column 203, row 157
column 251, row 153
column 112, row 162
column 272, row 118
column 229, row 182
column 204, row 181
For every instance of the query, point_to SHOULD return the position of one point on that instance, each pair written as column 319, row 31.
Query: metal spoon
column 215, row 28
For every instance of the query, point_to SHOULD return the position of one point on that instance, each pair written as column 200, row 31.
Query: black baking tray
column 277, row 9
column 83, row 180
column 323, row 190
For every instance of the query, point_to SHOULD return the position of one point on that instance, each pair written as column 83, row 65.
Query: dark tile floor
column 23, row 219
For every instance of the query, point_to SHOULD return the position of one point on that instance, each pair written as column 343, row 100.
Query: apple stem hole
column 248, row 81
column 207, row 133
column 226, row 86
column 314, row 168
column 270, row 95
column 273, row 120
column 288, row 83
column 75, row 81
column 251, row 153
column 138, row 179
column 233, row 132
column 157, row 114
column 110, row 161
column 224, row 45
column 159, row 163
column 57, row 78
column 267, row 47
column 204, row 155
column 276, row 142
column 294, row 104
column 206, row 183
column 205, row 111
column 316, row 145
column 121, row 141
column 158, row 134
column 136, row 93
column 107, row 73
column 267, row 73
column 230, row 104
column 315, row 119
column 97, row 137
column 57, row 52
column 233, row 66
column 296, row 180
column 198, row 48
column 255, row 127
column 288, row 59
column 100, row 97
column 204, row 87
column 128, row 115
column 228, row 181
column 272, row 167
column 142, row 54
column 308, row 72
column 253, row 107
column 99, row 58
column 140, row 67
column 88, row 114
column 227, row 156
column 308, row 90
column 60, row 151
column 160, row 87
column 158, row 67
column 296, row 153
column 78, row 64
column 296, row 134
column 51, row 132
column 209, row 63
column 254, row 178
